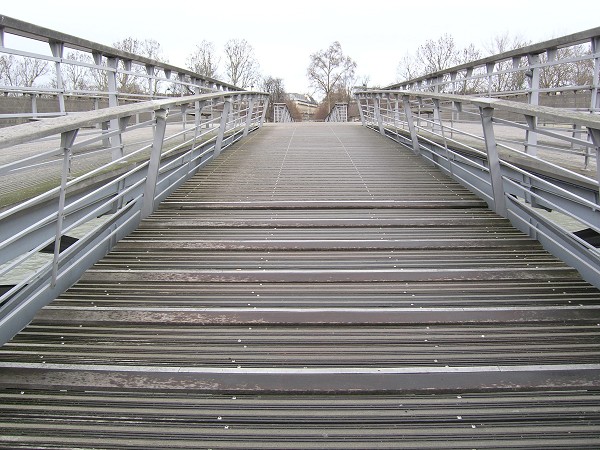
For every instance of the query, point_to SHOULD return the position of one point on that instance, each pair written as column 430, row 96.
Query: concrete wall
column 22, row 104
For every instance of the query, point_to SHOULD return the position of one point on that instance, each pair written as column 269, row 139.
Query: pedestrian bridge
column 182, row 274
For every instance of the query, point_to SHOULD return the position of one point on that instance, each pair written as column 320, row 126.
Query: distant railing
column 281, row 113
column 53, row 64
column 483, row 143
column 566, row 69
column 72, row 189
column 339, row 113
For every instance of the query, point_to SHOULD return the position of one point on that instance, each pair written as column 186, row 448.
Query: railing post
column 198, row 105
column 66, row 142
column 264, row 111
column 34, row 108
column 222, row 127
column 595, row 134
column 116, row 144
column 151, row 77
column 154, row 163
column 378, row 116
column 595, row 100
column 57, row 49
column 411, row 125
column 184, row 108
column 249, row 115
column 360, row 110
column 111, row 76
column 533, row 78
column 486, row 114
column 116, row 141
column 437, row 117
column 531, row 135
column 489, row 67
column 436, row 103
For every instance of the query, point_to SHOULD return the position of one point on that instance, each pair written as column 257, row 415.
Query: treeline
column 576, row 68
column 240, row 67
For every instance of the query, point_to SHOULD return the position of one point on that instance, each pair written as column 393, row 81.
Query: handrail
column 95, row 185
column 542, row 112
column 526, row 65
column 22, row 133
column 31, row 31
column 118, row 76
column 339, row 113
column 541, row 47
column 281, row 113
column 483, row 143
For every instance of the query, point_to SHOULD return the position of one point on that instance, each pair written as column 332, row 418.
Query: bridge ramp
column 315, row 287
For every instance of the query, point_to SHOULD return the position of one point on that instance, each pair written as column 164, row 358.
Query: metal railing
column 53, row 66
column 561, row 72
column 67, row 222
column 339, row 113
column 549, row 189
column 281, row 113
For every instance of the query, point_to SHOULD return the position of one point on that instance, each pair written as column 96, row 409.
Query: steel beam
column 154, row 164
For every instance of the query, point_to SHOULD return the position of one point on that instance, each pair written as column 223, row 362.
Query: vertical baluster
column 222, row 127
column 66, row 142
column 154, row 163
column 411, row 125
column 494, row 167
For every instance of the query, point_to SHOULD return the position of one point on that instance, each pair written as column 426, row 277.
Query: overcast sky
column 376, row 34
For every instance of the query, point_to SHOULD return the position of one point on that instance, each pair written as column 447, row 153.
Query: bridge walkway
column 317, row 286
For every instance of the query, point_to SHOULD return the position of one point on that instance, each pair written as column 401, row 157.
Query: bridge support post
column 57, row 49
column 486, row 114
column 115, row 142
column 411, row 124
column 595, row 133
column 66, row 142
column 360, row 111
column 264, row 111
column 378, row 115
column 222, row 127
column 154, row 163
column 595, row 100
column 249, row 116
column 440, row 123
column 198, row 105
column 533, row 76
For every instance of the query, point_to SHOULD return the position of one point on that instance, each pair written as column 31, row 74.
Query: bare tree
column 76, row 77
column 462, row 85
column 148, row 48
column 241, row 66
column 408, row 68
column 276, row 90
column 508, row 81
column 22, row 71
column 431, row 56
column 329, row 70
column 294, row 111
column 99, row 79
column 203, row 60
column 434, row 56
column 576, row 73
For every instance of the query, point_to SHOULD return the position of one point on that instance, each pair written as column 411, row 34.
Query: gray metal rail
column 339, row 113
column 529, row 71
column 77, row 216
column 281, row 113
column 483, row 143
column 70, row 54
